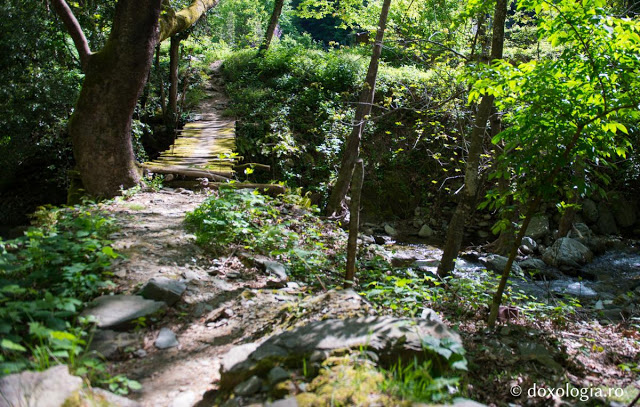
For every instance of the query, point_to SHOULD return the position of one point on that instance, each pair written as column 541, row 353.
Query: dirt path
column 212, row 316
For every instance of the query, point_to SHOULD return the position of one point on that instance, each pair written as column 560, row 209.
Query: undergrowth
column 46, row 277
column 285, row 228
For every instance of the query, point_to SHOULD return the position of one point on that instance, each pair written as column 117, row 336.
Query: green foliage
column 285, row 228
column 45, row 277
column 297, row 105
column 571, row 111
column 414, row 382
column 407, row 293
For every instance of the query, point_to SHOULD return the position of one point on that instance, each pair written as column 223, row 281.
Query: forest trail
column 208, row 142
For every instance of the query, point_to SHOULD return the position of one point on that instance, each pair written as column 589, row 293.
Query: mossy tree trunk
column 455, row 231
column 100, row 127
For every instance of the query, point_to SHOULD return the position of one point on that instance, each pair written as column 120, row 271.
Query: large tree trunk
column 352, row 149
column 100, row 127
column 455, row 232
column 271, row 28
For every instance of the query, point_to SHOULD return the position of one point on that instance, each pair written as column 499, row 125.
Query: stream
column 606, row 283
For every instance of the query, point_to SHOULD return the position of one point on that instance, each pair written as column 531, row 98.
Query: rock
column 166, row 339
column 390, row 338
column 606, row 222
column 109, row 399
column 426, row 263
column 580, row 231
column 277, row 375
column 425, row 231
column 288, row 402
column 402, row 259
column 577, row 289
column 538, row 227
column 624, row 212
column 275, row 269
column 111, row 344
column 590, row 211
column 567, row 253
column 119, row 311
column 390, row 230
column 140, row 353
column 483, row 234
column 538, row 353
column 39, row 389
column 498, row 263
column 184, row 399
column 532, row 264
column 528, row 245
column 163, row 289
column 248, row 387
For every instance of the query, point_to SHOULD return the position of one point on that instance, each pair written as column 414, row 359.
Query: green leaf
column 10, row 345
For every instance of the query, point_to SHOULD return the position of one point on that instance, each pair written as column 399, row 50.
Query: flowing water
column 615, row 273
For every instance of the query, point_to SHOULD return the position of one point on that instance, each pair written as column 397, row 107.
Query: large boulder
column 624, row 212
column 54, row 387
column 39, row 389
column 567, row 253
column 538, row 227
column 390, row 338
column 590, row 211
column 498, row 263
column 606, row 221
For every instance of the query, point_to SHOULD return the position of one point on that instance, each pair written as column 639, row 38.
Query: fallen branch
column 189, row 172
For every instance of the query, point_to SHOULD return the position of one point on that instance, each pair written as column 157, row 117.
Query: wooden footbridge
column 204, row 149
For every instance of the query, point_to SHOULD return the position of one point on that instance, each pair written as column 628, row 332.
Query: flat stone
column 164, row 289
column 166, row 339
column 110, row 399
column 498, row 263
column 118, row 311
column 184, row 399
column 39, row 389
column 402, row 259
column 288, row 402
column 578, row 289
column 248, row 387
column 532, row 264
column 277, row 374
column 110, row 344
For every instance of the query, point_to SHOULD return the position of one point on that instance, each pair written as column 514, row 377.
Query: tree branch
column 172, row 23
column 75, row 31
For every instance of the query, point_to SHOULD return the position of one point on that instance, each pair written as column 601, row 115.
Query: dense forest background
column 495, row 141
column 295, row 105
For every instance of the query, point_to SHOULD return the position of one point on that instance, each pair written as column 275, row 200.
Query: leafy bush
column 285, row 228
column 44, row 278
